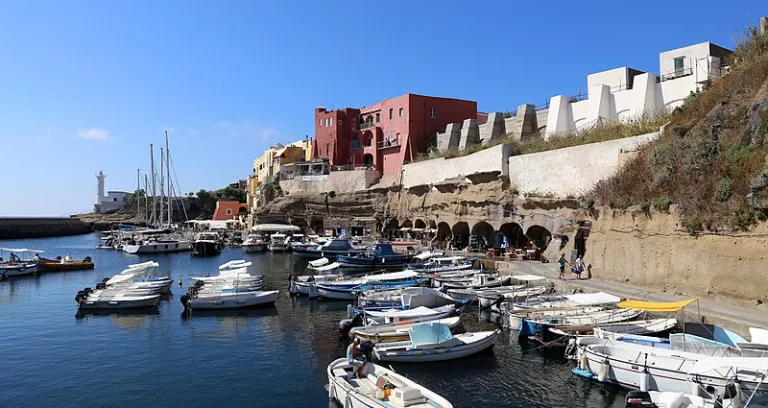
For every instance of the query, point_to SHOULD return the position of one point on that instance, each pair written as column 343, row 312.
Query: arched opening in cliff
column 460, row 232
column 392, row 229
column 486, row 231
column 580, row 241
column 301, row 223
column 419, row 224
column 514, row 233
column 539, row 235
column 316, row 224
column 443, row 234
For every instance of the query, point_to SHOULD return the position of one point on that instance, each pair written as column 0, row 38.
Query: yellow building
column 267, row 166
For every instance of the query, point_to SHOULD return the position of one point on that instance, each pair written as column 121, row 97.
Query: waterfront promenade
column 720, row 313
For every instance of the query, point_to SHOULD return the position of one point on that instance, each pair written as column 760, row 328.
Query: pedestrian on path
column 578, row 267
column 561, row 264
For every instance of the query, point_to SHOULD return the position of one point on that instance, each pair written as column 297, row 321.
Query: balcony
column 387, row 144
column 366, row 125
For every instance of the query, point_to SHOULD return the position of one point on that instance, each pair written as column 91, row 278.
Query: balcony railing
column 366, row 125
column 385, row 144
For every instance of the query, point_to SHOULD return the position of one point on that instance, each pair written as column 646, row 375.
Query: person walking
column 578, row 267
column 561, row 265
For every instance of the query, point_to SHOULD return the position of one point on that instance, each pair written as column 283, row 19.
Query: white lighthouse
column 112, row 200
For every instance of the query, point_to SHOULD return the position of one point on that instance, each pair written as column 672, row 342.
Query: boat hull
column 239, row 301
column 18, row 270
column 440, row 354
column 248, row 248
column 158, row 248
column 145, row 301
column 205, row 249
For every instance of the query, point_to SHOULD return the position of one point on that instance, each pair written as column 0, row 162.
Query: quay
column 41, row 227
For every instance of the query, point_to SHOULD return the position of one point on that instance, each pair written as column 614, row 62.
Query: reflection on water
column 274, row 356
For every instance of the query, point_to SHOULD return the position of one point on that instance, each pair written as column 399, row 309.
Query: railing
column 385, row 144
column 366, row 125
column 678, row 73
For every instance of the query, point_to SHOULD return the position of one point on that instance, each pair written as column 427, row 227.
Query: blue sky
column 87, row 85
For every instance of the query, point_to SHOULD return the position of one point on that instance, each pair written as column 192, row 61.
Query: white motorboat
column 254, row 243
column 229, row 299
column 440, row 265
column 114, row 299
column 533, row 326
column 634, row 327
column 357, row 317
column 319, row 270
column 396, row 331
column 567, row 305
column 516, row 318
column 434, row 342
column 489, row 298
column 279, row 242
column 758, row 346
column 406, row 298
column 157, row 246
column 19, row 262
column 347, row 388
column 659, row 369
column 348, row 289
column 681, row 400
column 140, row 278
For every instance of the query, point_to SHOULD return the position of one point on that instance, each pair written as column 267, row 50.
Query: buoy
column 604, row 367
column 584, row 361
column 180, row 283
column 644, row 380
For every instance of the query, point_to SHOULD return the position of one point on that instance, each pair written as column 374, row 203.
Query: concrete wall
column 15, row 228
column 438, row 170
column 573, row 170
column 338, row 181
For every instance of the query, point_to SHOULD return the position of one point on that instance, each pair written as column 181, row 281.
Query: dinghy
column 395, row 332
column 89, row 299
column 405, row 298
column 535, row 326
column 359, row 317
column 434, row 342
column 379, row 387
column 230, row 299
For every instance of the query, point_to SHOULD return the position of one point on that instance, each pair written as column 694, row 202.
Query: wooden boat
column 395, row 332
column 65, row 264
column 380, row 387
column 358, row 317
column 434, row 342
column 560, row 336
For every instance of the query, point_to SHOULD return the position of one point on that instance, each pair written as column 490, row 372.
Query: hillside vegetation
column 711, row 154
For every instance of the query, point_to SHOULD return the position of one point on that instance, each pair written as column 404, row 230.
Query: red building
column 229, row 210
column 387, row 134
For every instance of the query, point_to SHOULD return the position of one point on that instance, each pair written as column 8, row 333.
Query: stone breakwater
column 40, row 227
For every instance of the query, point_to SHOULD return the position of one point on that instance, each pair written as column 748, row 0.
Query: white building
column 623, row 93
column 113, row 200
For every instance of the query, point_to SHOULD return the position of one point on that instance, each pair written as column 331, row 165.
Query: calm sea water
column 273, row 357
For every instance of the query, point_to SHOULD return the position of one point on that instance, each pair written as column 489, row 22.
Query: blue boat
column 382, row 256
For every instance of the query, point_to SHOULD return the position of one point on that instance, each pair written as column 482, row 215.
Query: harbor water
column 269, row 357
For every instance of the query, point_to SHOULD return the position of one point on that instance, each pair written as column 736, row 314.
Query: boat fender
column 348, row 402
column 105, row 280
column 584, row 362
column 101, row 285
column 644, row 380
column 603, row 373
column 571, row 348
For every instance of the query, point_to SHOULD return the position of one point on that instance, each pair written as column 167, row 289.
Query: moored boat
column 110, row 298
column 65, row 264
column 330, row 249
column 434, row 342
column 396, row 332
column 381, row 256
column 206, row 244
column 254, row 243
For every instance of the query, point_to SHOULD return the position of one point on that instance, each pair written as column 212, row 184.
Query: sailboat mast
column 138, row 196
column 146, row 197
column 153, row 220
column 168, row 170
column 162, row 187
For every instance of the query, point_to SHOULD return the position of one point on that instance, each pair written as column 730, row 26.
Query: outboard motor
column 366, row 347
column 101, row 285
column 639, row 399
column 347, row 324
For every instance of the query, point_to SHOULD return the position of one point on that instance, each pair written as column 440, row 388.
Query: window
column 432, row 112
column 401, row 112
column 378, row 118
column 355, row 144
column 328, row 122
column 320, row 122
column 327, row 149
column 390, row 112
column 397, row 138
column 679, row 65
column 114, row 199
column 229, row 211
column 340, row 122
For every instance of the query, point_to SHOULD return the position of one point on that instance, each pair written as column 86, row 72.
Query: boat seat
column 340, row 372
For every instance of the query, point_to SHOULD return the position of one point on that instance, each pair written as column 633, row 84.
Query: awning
column 275, row 227
column 655, row 306
column 587, row 299
column 417, row 229
column 405, row 229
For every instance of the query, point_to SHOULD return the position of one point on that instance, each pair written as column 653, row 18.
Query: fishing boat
column 362, row 317
column 330, row 249
column 395, row 332
column 319, row 270
column 206, row 244
column 157, row 246
column 659, row 369
column 381, row 256
column 109, row 298
column 479, row 281
column 434, row 342
column 405, row 298
column 65, row 264
column 442, row 264
column 420, row 260
column 536, row 326
column 17, row 265
column 572, row 305
column 349, row 289
column 562, row 336
column 378, row 387
column 254, row 243
column 278, row 242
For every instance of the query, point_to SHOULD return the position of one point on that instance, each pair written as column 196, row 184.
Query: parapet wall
column 16, row 228
column 573, row 170
column 338, row 181
column 438, row 170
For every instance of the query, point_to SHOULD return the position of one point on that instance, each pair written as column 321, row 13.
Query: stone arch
column 367, row 138
column 316, row 224
column 393, row 224
column 368, row 160
column 539, row 235
column 300, row 222
column 243, row 210
column 407, row 224
column 443, row 231
column 486, row 230
column 419, row 224
column 460, row 232
column 433, row 225
column 514, row 233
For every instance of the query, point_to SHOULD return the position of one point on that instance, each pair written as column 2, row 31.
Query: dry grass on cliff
column 711, row 154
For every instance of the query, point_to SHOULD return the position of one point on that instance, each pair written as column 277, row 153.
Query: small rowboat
column 395, row 332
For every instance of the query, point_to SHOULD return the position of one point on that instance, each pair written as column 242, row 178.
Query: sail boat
column 153, row 244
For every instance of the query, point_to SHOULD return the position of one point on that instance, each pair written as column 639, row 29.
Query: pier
column 41, row 227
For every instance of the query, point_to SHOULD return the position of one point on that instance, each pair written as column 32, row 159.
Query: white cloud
column 93, row 134
column 192, row 132
column 250, row 130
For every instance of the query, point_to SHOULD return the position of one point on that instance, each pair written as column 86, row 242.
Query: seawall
column 41, row 227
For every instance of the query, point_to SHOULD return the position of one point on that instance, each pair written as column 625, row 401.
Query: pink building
column 388, row 134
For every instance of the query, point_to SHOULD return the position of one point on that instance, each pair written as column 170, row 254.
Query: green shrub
column 662, row 203
column 743, row 219
column 645, row 206
column 724, row 190
column 693, row 225
column 622, row 203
